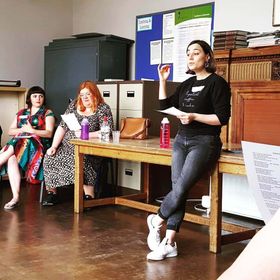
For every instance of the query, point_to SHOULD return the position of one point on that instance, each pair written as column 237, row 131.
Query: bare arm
column 58, row 136
column 47, row 132
column 163, row 74
column 13, row 130
column 210, row 119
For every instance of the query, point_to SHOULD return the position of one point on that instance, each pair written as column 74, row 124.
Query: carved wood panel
column 249, row 63
column 255, row 112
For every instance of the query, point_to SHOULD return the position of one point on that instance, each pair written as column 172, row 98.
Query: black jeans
column 191, row 158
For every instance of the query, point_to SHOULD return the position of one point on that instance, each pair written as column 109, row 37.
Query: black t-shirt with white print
column 208, row 96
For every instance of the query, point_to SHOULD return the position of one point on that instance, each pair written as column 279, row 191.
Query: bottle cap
column 85, row 121
column 165, row 120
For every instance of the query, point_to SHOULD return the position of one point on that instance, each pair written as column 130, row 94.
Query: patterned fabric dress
column 30, row 148
column 59, row 170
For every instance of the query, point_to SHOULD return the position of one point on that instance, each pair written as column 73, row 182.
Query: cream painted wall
column 249, row 15
column 118, row 17
column 26, row 26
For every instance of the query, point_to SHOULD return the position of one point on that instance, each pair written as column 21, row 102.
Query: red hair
column 96, row 95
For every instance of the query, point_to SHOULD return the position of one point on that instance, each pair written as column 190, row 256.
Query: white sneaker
column 153, row 238
column 163, row 251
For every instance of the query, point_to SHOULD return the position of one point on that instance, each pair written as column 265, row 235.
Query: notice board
column 163, row 37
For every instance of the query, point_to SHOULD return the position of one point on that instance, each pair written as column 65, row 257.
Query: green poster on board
column 185, row 14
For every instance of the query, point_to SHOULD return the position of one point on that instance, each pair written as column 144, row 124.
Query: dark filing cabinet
column 70, row 61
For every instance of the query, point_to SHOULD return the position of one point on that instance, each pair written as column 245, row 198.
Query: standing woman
column 32, row 130
column 205, row 99
column 59, row 163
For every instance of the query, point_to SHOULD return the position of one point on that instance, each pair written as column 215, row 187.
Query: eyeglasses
column 85, row 94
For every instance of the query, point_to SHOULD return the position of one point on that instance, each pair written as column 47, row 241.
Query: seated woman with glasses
column 32, row 130
column 59, row 164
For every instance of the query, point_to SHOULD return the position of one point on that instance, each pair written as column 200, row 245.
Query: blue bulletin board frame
column 152, row 31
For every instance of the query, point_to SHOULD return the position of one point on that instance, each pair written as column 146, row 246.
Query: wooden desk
column 148, row 151
column 229, row 163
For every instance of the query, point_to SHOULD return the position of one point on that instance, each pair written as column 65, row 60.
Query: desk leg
column 146, row 183
column 79, row 181
column 215, row 227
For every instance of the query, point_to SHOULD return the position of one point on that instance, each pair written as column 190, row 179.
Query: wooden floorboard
column 106, row 242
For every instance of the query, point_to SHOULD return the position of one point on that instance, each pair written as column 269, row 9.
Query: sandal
column 11, row 205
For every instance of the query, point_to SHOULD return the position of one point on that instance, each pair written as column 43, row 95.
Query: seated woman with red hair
column 59, row 164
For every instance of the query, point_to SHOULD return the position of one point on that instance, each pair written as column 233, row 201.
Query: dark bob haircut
column 211, row 65
column 33, row 90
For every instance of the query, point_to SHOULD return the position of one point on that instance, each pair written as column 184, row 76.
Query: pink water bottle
column 165, row 133
column 85, row 129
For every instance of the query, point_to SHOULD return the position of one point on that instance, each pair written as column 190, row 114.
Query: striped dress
column 29, row 149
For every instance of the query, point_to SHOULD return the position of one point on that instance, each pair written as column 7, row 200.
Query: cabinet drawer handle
column 106, row 93
column 128, row 172
column 130, row 93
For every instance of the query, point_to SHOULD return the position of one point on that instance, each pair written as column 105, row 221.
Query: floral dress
column 59, row 169
column 29, row 149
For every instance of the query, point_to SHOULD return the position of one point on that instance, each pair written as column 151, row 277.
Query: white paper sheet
column 262, row 164
column 155, row 52
column 71, row 121
column 167, row 51
column 23, row 136
column 184, row 33
column 172, row 111
column 168, row 22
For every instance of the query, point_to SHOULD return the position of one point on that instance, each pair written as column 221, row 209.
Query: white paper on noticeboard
column 262, row 164
column 71, row 121
column 155, row 52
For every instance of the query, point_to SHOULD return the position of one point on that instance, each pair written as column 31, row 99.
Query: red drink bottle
column 165, row 133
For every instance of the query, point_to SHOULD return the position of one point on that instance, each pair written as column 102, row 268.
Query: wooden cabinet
column 254, row 78
column 12, row 99
column 255, row 112
column 247, row 64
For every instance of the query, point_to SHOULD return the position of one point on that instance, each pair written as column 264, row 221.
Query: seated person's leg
column 14, row 178
column 5, row 155
column 51, row 198
column 89, row 192
column 49, row 166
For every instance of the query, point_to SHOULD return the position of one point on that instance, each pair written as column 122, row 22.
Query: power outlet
column 205, row 202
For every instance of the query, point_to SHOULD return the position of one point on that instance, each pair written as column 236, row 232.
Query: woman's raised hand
column 163, row 71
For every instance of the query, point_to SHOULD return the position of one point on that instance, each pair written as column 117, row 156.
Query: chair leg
column 42, row 191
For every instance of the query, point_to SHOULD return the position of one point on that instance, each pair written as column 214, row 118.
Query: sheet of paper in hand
column 71, row 121
column 172, row 111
